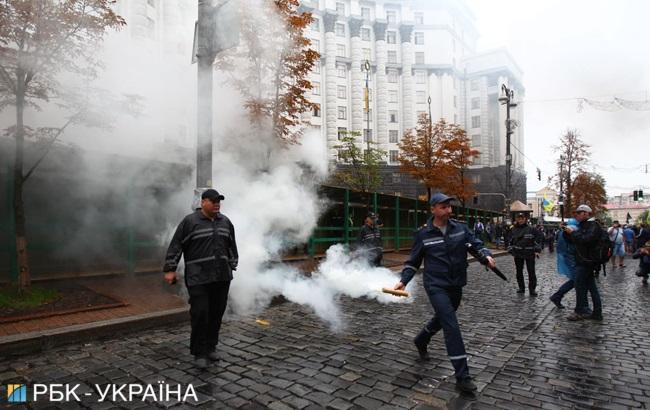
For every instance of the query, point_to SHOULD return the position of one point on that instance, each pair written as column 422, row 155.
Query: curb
column 42, row 340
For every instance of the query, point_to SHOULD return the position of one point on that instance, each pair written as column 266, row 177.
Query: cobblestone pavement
column 524, row 354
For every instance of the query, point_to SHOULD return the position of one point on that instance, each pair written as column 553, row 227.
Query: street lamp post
column 366, row 108
column 561, row 195
column 507, row 95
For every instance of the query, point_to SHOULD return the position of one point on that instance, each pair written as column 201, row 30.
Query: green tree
column 360, row 168
column 644, row 217
column 39, row 41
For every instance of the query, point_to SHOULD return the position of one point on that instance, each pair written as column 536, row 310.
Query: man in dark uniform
column 206, row 238
column 441, row 244
column 369, row 239
column 525, row 246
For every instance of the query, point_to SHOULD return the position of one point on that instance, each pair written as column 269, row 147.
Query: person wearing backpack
column 616, row 236
column 587, row 240
column 643, row 254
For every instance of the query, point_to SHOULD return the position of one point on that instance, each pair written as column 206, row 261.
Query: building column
column 408, row 115
column 356, row 76
column 381, row 92
column 331, row 130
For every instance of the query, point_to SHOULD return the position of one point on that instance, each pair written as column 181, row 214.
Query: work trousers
column 207, row 306
column 586, row 282
column 530, row 267
column 445, row 302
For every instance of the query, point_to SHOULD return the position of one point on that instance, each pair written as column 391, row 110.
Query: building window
column 476, row 121
column 392, row 116
column 420, row 97
column 367, row 116
column 476, row 140
column 152, row 3
column 420, row 77
column 455, row 101
column 366, row 54
column 476, row 179
column 316, row 110
column 392, row 76
column 342, row 113
column 393, row 136
column 315, row 25
column 392, row 56
column 316, row 68
column 341, row 70
column 473, row 85
column 391, row 37
column 315, row 88
column 394, row 156
column 340, row 8
column 340, row 50
column 365, row 13
column 340, row 29
column 397, row 178
column 365, row 34
column 419, row 37
column 367, row 135
column 476, row 103
column 391, row 16
column 455, row 118
column 392, row 96
column 315, row 45
column 419, row 18
column 342, row 132
column 341, row 92
column 419, row 57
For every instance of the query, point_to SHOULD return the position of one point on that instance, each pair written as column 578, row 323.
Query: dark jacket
column 208, row 246
column 370, row 238
column 525, row 241
column 445, row 256
column 645, row 260
column 585, row 239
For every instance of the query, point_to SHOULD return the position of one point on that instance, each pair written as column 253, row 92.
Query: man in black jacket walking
column 585, row 240
column 525, row 246
column 369, row 239
column 206, row 238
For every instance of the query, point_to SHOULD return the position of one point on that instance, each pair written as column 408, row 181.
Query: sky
column 574, row 49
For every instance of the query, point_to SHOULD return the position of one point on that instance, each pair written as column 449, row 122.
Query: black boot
column 421, row 342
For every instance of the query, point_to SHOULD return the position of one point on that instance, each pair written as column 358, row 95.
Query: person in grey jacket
column 206, row 239
column 369, row 240
column 441, row 244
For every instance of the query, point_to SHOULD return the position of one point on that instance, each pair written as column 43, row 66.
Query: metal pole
column 205, row 58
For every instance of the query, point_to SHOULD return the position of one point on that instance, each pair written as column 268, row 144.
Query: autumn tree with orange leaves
column 589, row 188
column 271, row 65
column 438, row 155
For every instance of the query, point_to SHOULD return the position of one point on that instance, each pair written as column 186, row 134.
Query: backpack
column 603, row 250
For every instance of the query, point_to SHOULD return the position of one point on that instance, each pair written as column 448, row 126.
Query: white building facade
column 417, row 49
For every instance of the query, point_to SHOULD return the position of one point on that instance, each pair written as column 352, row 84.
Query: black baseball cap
column 212, row 195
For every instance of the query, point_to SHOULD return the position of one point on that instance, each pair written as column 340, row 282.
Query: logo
column 17, row 393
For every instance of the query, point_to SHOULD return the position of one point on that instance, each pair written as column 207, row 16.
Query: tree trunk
column 22, row 260
column 428, row 194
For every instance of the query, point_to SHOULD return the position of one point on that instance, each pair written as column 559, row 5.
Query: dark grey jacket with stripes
column 208, row 246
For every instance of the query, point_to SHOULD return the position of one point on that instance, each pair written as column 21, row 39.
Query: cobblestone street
column 524, row 354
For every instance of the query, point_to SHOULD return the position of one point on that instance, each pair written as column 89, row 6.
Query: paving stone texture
column 524, row 354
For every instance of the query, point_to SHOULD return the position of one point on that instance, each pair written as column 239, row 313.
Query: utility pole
column 561, row 196
column 205, row 55
column 507, row 95
column 430, row 140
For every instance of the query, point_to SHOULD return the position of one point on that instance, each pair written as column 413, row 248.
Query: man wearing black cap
column 525, row 246
column 206, row 238
column 441, row 244
column 369, row 239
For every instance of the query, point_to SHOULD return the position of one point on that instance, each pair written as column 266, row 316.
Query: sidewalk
column 149, row 303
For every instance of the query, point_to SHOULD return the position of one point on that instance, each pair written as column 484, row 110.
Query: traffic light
column 636, row 195
column 539, row 174
column 640, row 194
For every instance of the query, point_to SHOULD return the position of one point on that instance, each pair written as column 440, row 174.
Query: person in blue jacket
column 441, row 244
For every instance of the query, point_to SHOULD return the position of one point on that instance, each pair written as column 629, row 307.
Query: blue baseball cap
column 439, row 197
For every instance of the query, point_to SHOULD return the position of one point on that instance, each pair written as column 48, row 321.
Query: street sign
column 227, row 23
